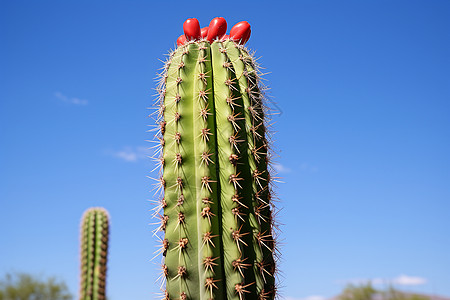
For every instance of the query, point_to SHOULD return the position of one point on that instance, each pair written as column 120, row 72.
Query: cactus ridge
column 216, row 214
column 94, row 248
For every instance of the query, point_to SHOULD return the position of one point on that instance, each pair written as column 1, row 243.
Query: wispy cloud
column 312, row 297
column 306, row 167
column 281, row 168
column 409, row 280
column 303, row 167
column 70, row 100
column 130, row 154
column 399, row 280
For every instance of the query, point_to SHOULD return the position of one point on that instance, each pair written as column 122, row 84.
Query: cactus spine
column 216, row 189
column 94, row 248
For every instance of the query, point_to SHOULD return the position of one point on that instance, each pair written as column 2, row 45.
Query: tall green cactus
column 216, row 188
column 94, row 250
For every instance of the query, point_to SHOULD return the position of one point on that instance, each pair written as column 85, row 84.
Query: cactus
column 216, row 204
column 94, row 249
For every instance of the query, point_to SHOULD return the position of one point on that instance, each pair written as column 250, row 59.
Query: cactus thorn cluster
column 94, row 252
column 215, row 186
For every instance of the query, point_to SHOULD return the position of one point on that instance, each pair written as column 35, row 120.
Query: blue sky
column 363, row 135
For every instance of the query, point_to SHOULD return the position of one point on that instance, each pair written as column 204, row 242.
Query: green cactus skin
column 216, row 188
column 94, row 250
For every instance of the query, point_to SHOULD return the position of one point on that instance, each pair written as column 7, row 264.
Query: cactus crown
column 216, row 205
column 94, row 250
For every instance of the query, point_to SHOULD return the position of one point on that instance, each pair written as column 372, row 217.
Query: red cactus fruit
column 191, row 28
column 204, row 32
column 217, row 28
column 181, row 40
column 240, row 32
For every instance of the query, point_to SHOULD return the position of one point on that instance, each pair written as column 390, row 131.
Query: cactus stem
column 216, row 158
column 94, row 246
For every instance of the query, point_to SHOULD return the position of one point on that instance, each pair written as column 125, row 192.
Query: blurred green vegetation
column 22, row 286
column 368, row 292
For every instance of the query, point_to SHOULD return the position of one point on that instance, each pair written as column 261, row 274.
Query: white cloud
column 131, row 154
column 312, row 297
column 409, row 280
column 399, row 280
column 71, row 100
column 309, row 168
column 281, row 169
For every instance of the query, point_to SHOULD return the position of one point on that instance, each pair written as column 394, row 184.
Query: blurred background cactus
column 94, row 250
column 215, row 184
